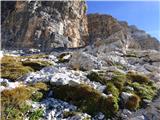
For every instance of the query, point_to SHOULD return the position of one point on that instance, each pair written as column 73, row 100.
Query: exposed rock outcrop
column 44, row 25
column 106, row 30
column 145, row 40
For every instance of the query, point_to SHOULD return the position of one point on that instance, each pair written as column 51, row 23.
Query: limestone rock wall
column 44, row 24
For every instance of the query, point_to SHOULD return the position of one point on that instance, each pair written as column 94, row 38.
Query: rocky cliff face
column 48, row 25
column 44, row 25
column 145, row 40
column 104, row 29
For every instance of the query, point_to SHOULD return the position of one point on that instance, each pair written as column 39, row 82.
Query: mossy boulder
column 116, row 77
column 87, row 99
column 140, row 85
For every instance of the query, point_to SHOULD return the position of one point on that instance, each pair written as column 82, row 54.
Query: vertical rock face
column 106, row 30
column 44, row 25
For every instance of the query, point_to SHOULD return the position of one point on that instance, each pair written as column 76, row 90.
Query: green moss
column 133, row 102
column 131, row 54
column 36, row 115
column 37, row 96
column 134, row 77
column 35, row 56
column 13, row 68
column 109, row 106
column 142, row 86
column 14, row 73
column 144, row 91
column 119, row 80
column 111, row 89
column 87, row 99
column 36, row 65
column 67, row 114
column 97, row 76
column 4, row 84
column 38, row 91
column 40, row 86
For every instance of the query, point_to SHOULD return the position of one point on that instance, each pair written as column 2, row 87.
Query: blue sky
column 144, row 14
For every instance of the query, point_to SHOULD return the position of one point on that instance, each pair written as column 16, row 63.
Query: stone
column 8, row 85
column 99, row 116
column 125, row 96
column 130, row 88
column 84, row 61
column 127, row 112
column 138, row 118
column 1, row 54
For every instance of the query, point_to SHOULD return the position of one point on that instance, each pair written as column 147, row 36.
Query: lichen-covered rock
column 44, row 24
